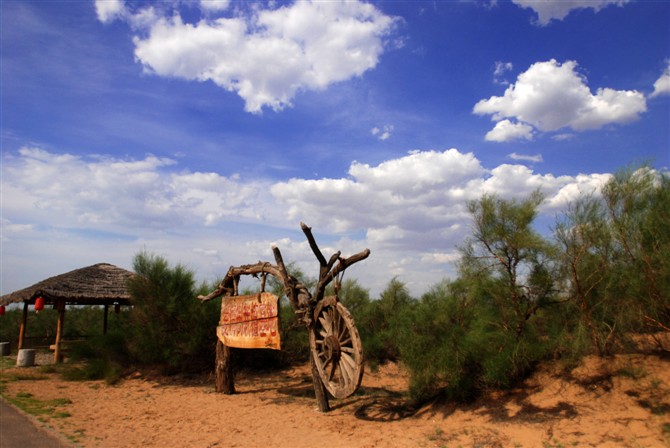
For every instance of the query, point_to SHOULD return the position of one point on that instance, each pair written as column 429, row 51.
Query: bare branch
column 312, row 243
column 343, row 264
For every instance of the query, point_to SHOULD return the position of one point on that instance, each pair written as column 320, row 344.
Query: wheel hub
column 333, row 350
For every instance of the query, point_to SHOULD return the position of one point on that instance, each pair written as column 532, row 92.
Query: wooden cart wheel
column 337, row 349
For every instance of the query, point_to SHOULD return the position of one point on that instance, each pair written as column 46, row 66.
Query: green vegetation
column 616, row 259
column 42, row 409
column 168, row 328
column 520, row 298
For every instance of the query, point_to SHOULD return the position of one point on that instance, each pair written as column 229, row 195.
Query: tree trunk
column 225, row 380
column 319, row 389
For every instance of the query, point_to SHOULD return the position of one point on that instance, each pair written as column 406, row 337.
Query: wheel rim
column 337, row 350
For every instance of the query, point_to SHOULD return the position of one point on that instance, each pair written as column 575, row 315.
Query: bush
column 168, row 328
column 381, row 322
column 456, row 346
column 615, row 259
column 104, row 357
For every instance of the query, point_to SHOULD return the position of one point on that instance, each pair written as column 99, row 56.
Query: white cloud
column 384, row 133
column 548, row 10
column 110, row 10
column 662, row 84
column 537, row 158
column 271, row 55
column 119, row 195
column 582, row 184
column 410, row 211
column 499, row 71
column 505, row 131
column 214, row 5
column 552, row 96
column 441, row 257
column 562, row 137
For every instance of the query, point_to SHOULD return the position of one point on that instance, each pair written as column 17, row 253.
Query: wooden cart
column 252, row 322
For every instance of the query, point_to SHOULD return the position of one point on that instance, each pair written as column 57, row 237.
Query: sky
column 206, row 131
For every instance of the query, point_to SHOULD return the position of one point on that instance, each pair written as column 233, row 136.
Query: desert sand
column 619, row 402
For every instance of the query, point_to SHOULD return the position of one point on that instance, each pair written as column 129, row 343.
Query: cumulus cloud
column 110, row 10
column 548, row 10
column 411, row 201
column 266, row 56
column 119, row 195
column 662, row 84
column 214, row 5
column 505, row 130
column 550, row 96
column 411, row 211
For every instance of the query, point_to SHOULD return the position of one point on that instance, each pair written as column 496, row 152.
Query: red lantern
column 39, row 304
column 2, row 310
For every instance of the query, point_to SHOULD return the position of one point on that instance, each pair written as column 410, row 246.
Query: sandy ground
column 621, row 402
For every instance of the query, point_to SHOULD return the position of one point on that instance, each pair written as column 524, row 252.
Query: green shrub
column 101, row 357
column 168, row 327
column 381, row 322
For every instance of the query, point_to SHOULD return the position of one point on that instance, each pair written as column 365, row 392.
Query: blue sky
column 205, row 131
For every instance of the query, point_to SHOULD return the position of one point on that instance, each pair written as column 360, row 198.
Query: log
column 225, row 379
column 319, row 389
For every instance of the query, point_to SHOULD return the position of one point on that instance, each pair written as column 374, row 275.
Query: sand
column 619, row 402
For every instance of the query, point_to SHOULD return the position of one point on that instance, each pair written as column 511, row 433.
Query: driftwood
column 336, row 352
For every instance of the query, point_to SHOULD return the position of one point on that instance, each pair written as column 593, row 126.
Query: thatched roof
column 99, row 284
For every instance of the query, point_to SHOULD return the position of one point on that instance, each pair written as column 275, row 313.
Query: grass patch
column 42, row 409
column 18, row 376
column 6, row 362
column 76, row 436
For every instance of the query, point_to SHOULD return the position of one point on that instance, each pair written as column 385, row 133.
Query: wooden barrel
column 26, row 357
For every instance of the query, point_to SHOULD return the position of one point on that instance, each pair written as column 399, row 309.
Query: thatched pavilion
column 101, row 284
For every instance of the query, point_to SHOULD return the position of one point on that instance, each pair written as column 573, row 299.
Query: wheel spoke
column 348, row 360
column 332, row 372
column 337, row 325
column 343, row 329
column 337, row 350
column 345, row 374
column 325, row 325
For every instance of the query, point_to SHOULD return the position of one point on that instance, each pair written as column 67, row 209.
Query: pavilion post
column 22, row 329
column 104, row 322
column 59, row 331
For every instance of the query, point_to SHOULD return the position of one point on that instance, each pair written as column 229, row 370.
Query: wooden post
column 225, row 379
column 22, row 330
column 59, row 330
column 104, row 322
column 319, row 389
